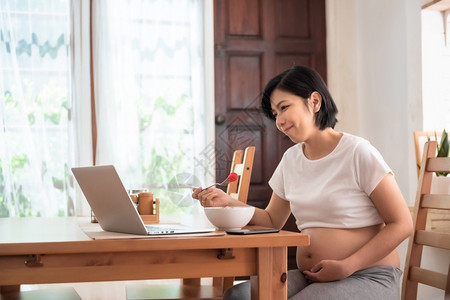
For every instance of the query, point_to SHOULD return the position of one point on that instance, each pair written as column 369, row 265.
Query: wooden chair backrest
column 422, row 235
column 242, row 164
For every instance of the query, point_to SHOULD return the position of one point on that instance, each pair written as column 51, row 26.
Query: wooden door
column 255, row 40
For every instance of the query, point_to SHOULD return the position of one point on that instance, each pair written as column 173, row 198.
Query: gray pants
column 376, row 283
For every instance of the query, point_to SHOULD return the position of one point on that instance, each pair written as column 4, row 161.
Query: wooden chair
column 191, row 288
column 414, row 273
column 420, row 138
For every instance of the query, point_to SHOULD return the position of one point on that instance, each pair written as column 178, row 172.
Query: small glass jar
column 93, row 218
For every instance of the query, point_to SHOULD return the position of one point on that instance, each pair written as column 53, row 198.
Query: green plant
column 443, row 150
column 44, row 107
column 164, row 160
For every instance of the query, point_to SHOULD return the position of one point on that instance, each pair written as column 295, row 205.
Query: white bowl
column 229, row 217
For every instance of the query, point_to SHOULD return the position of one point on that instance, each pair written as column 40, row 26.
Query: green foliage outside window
column 163, row 165
column 51, row 105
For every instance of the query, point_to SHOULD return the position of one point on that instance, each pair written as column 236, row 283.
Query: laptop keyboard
column 163, row 229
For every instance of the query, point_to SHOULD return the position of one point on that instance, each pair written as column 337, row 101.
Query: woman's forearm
column 262, row 218
column 379, row 246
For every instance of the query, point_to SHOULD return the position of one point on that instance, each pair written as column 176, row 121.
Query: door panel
column 242, row 92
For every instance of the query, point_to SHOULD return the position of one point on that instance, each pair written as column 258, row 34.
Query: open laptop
column 113, row 207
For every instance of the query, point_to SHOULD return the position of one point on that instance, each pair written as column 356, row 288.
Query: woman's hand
column 213, row 197
column 328, row 270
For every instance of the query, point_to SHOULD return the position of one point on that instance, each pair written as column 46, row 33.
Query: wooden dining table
column 56, row 250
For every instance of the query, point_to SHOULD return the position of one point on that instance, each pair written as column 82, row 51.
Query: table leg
column 270, row 283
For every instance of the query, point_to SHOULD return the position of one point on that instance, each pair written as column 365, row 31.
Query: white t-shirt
column 332, row 191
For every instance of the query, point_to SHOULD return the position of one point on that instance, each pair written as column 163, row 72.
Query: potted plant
column 441, row 183
column 443, row 150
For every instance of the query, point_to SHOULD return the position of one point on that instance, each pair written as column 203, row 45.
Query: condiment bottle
column 145, row 203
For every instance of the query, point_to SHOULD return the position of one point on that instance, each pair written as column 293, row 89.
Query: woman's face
column 293, row 117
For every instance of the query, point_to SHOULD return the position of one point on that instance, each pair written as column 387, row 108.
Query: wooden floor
column 101, row 290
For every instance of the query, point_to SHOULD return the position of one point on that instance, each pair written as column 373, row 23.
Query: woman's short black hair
column 302, row 81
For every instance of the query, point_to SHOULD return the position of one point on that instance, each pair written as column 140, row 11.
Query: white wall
column 374, row 74
column 436, row 69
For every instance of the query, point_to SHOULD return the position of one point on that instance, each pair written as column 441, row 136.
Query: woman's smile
column 286, row 130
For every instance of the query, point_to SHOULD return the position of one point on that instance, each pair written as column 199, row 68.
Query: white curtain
column 148, row 82
column 115, row 89
column 80, row 135
column 33, row 109
column 149, row 91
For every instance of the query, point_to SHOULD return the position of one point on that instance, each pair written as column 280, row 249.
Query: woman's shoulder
column 353, row 142
column 360, row 148
column 353, row 139
column 293, row 152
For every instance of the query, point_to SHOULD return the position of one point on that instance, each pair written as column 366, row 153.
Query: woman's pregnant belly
column 336, row 244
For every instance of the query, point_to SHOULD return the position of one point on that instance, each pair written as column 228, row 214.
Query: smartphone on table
column 245, row 231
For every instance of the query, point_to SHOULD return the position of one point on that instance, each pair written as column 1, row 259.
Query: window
column 33, row 108
column 148, row 80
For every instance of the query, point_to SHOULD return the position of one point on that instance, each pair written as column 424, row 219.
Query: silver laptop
column 113, row 207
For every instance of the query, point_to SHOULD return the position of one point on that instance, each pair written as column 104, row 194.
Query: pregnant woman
column 340, row 191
